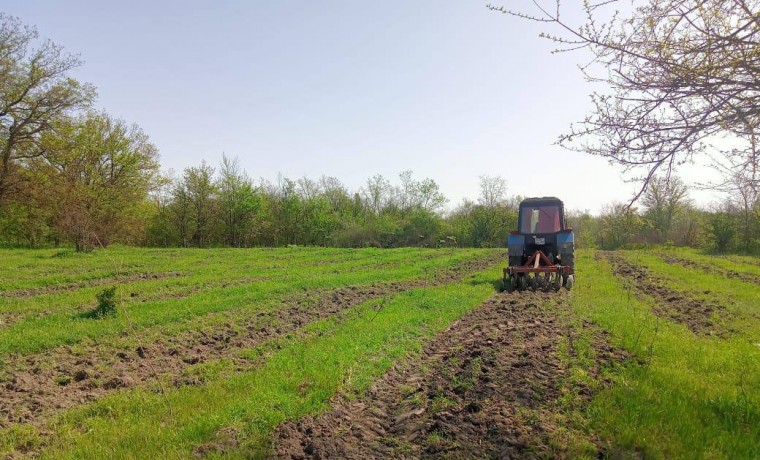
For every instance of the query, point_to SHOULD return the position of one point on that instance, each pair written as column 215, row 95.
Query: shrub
column 106, row 303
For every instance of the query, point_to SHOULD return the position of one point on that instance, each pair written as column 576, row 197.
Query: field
column 330, row 353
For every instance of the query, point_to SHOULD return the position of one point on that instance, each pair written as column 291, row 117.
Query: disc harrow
column 538, row 273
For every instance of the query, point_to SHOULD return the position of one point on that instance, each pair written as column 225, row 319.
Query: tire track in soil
column 707, row 268
column 464, row 397
column 700, row 316
column 37, row 386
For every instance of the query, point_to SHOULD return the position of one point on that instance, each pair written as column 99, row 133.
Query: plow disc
column 538, row 273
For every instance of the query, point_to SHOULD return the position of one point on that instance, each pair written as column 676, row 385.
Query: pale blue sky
column 346, row 88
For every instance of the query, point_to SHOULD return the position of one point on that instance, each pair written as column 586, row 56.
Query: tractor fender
column 566, row 242
column 516, row 245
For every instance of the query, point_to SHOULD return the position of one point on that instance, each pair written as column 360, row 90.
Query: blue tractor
column 542, row 249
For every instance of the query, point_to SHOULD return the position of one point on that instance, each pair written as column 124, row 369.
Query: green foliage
column 483, row 226
column 618, row 226
column 36, row 91
column 664, row 201
column 24, row 225
column 105, row 168
column 106, row 303
column 722, row 230
column 235, row 212
column 586, row 228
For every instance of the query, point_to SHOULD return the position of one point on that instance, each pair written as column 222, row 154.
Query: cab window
column 540, row 219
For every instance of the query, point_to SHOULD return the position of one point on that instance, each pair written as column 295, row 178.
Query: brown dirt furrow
column 10, row 318
column 487, row 387
column 707, row 268
column 70, row 287
column 701, row 316
column 35, row 386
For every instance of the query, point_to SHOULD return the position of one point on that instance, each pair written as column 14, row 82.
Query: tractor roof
column 541, row 200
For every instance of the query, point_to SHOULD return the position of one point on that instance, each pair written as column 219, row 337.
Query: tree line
column 222, row 206
column 207, row 206
column 667, row 215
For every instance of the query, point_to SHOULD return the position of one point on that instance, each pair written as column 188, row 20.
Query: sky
column 447, row 89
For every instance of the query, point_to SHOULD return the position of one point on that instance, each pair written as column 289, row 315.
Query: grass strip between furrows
column 192, row 271
column 734, row 294
column 32, row 387
column 38, row 334
column 299, row 378
column 741, row 264
column 36, row 269
column 694, row 396
column 157, row 285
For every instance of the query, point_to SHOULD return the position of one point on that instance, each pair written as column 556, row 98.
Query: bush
column 106, row 303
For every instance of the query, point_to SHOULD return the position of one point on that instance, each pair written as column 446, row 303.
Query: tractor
column 542, row 250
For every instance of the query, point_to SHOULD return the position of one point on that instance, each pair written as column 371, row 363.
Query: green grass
column 215, row 281
column 694, row 397
column 736, row 296
column 299, row 378
column 741, row 264
column 684, row 395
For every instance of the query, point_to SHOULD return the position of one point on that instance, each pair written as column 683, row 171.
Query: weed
column 441, row 403
column 106, row 304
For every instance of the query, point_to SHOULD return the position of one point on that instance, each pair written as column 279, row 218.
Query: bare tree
column 307, row 188
column 376, row 193
column 335, row 192
column 678, row 73
column 414, row 194
column 493, row 191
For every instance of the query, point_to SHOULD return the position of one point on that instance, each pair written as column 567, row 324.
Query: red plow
column 538, row 272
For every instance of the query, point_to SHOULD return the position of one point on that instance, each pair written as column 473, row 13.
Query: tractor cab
column 542, row 246
column 541, row 216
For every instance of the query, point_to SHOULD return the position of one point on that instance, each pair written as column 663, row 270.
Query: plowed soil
column 487, row 387
column 36, row 386
column 701, row 316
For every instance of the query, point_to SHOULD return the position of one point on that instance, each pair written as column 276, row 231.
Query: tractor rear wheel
column 569, row 260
